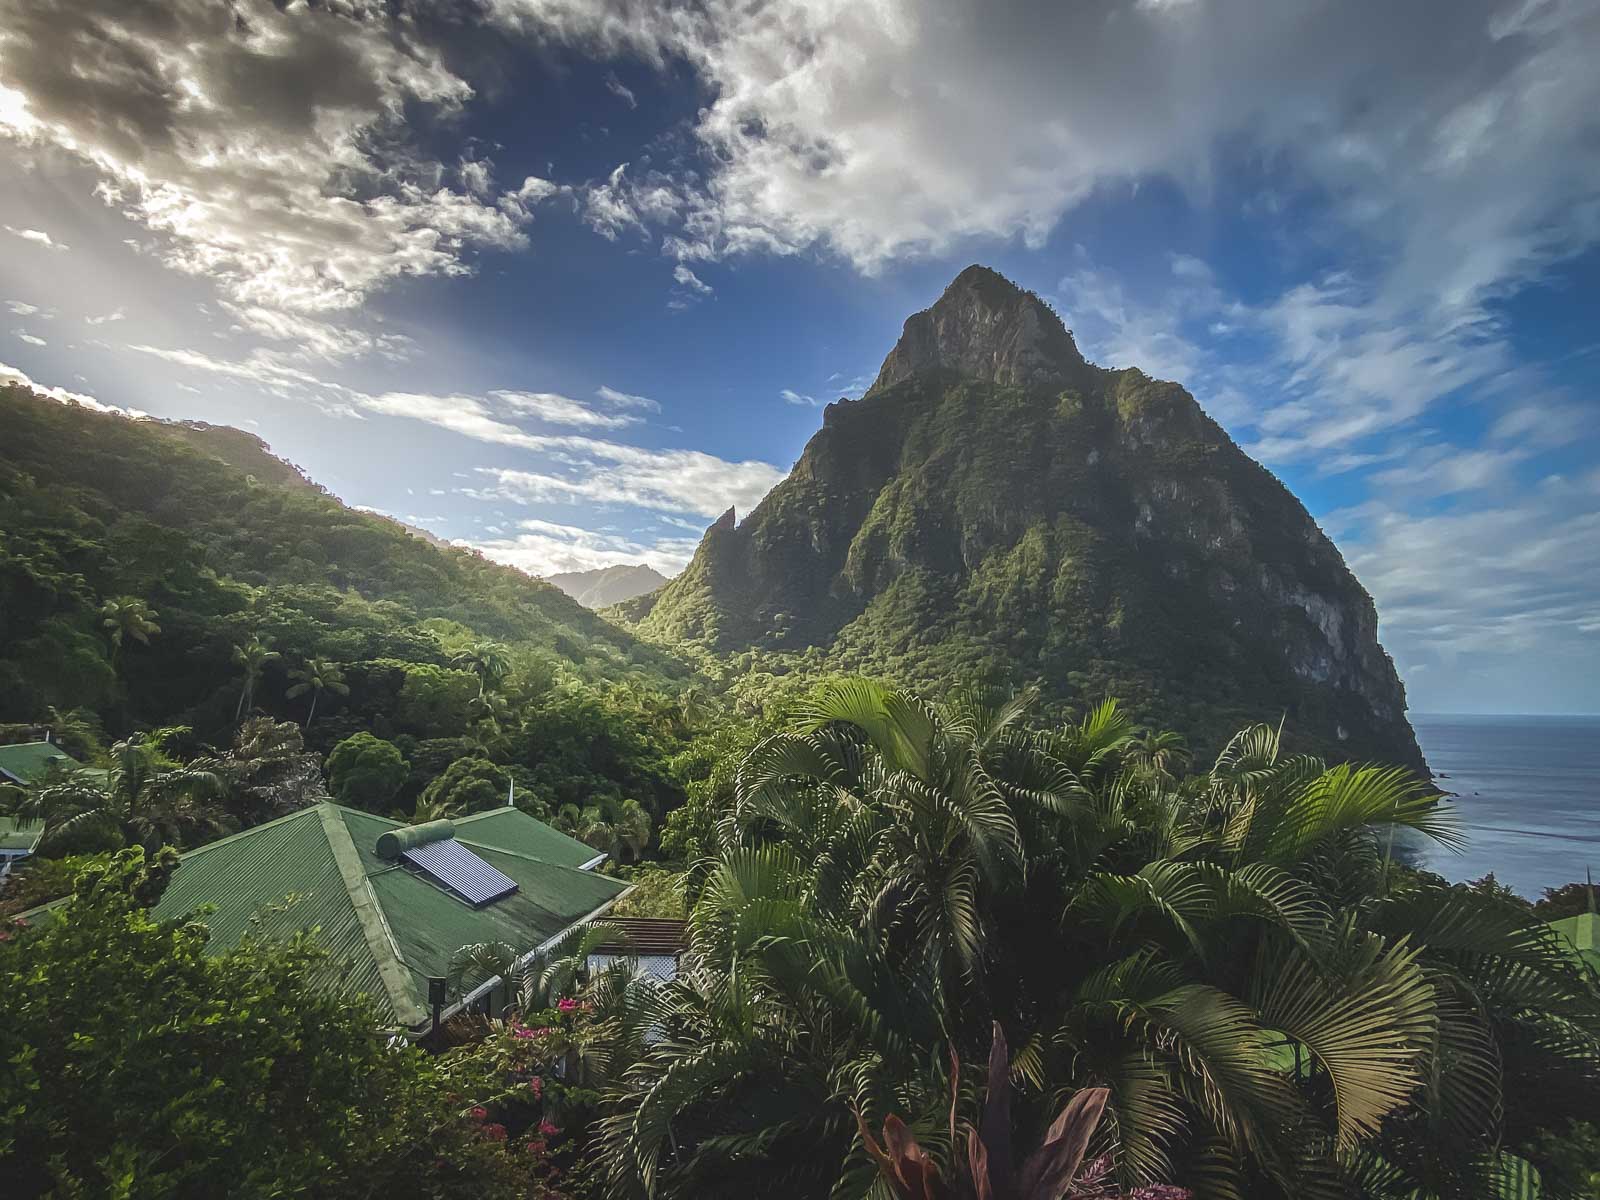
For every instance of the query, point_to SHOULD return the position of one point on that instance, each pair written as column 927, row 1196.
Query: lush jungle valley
column 958, row 941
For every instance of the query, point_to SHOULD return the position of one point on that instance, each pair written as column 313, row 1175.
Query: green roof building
column 24, row 762
column 18, row 837
column 392, row 916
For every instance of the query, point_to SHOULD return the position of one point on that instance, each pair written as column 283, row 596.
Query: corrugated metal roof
column 20, row 833
column 277, row 879
column 387, row 928
column 645, row 936
column 23, row 762
column 512, row 829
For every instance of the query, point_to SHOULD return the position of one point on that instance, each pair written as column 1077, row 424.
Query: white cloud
column 1486, row 598
column 12, row 376
column 790, row 396
column 23, row 335
column 264, row 145
column 554, row 409
column 670, row 481
column 312, row 337
column 626, row 400
column 690, row 280
column 22, row 309
column 37, row 236
column 1454, row 138
column 621, row 90
column 546, row 548
column 262, row 367
column 624, row 203
column 119, row 314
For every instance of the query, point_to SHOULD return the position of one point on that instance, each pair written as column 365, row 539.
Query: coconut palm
column 489, row 661
column 317, row 676
column 144, row 796
column 127, row 617
column 252, row 657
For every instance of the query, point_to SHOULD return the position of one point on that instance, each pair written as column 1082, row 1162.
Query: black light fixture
column 437, row 986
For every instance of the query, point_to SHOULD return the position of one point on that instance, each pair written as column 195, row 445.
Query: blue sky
column 564, row 279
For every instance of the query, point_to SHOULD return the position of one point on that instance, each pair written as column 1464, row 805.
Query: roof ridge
column 543, row 862
column 244, row 833
column 392, row 968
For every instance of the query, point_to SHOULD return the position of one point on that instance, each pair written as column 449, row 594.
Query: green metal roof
column 23, row 762
column 20, row 833
column 1582, row 933
column 511, row 829
column 387, row 928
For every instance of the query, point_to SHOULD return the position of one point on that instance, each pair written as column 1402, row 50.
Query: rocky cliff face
column 996, row 508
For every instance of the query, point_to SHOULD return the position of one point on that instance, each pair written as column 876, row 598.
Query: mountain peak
column 986, row 327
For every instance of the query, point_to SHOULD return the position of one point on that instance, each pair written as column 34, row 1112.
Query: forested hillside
column 155, row 574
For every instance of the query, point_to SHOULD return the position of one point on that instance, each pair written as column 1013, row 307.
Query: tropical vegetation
column 1191, row 967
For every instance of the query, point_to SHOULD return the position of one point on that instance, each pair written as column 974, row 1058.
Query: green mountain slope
column 225, row 542
column 604, row 586
column 996, row 507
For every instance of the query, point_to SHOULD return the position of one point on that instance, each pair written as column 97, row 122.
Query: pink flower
column 536, row 1086
column 548, row 1129
column 522, row 1031
column 565, row 1004
column 495, row 1133
column 479, row 1113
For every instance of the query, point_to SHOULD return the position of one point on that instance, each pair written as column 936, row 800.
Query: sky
column 565, row 279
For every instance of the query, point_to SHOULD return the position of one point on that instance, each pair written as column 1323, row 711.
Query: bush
column 366, row 772
column 137, row 1065
column 468, row 785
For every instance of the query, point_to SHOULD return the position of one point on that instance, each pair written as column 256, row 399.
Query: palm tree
column 430, row 810
column 1218, row 952
column 146, row 796
column 77, row 731
column 127, row 617
column 489, row 661
column 316, row 676
column 252, row 656
column 539, row 978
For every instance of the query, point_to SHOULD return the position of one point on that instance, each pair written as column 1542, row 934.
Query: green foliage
column 1567, row 901
column 39, row 880
column 468, row 785
column 1274, row 1009
column 657, row 892
column 139, row 1066
column 366, row 772
column 144, row 796
column 156, row 574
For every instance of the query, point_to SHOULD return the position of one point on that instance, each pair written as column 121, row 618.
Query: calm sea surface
column 1527, row 795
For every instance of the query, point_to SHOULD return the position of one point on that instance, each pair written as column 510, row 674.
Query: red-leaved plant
column 1054, row 1170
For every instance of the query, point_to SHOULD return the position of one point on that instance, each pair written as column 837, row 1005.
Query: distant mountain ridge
column 605, row 586
column 995, row 507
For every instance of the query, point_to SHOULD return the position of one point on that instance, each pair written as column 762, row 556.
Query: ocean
column 1527, row 795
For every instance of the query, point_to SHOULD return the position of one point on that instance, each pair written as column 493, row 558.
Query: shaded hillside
column 604, row 586
column 225, row 543
column 996, row 507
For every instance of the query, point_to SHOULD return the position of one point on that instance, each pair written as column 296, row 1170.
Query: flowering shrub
column 516, row 1087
